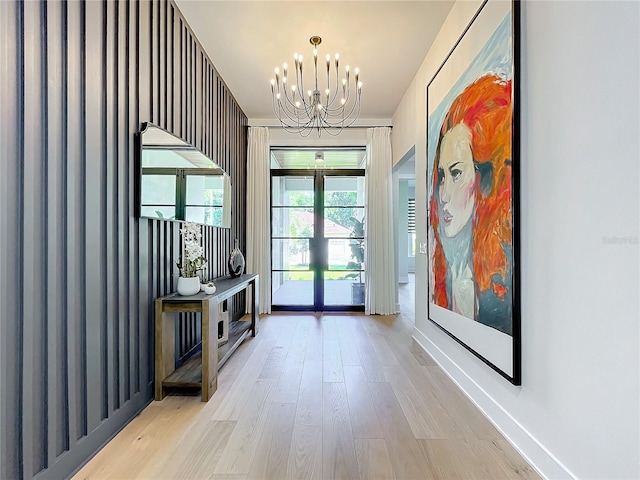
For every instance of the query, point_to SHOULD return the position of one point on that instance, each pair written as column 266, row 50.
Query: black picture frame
column 474, row 292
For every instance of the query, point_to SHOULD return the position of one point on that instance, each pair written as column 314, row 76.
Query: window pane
column 292, row 222
column 158, row 190
column 205, row 190
column 338, row 222
column 292, row 191
column 204, row 215
column 290, row 254
column 341, row 291
column 292, row 288
column 343, row 191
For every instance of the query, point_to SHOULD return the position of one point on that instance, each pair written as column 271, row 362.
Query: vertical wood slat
column 11, row 89
column 94, row 147
column 58, row 431
column 134, row 246
column 109, row 167
column 122, row 201
column 128, row 283
column 33, row 238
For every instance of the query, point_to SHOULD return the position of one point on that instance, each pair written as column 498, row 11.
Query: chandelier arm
column 283, row 114
column 354, row 106
column 336, row 89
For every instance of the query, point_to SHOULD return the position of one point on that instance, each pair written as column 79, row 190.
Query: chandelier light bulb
column 301, row 114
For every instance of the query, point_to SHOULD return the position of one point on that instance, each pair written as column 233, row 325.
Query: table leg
column 209, row 349
column 164, row 348
column 255, row 306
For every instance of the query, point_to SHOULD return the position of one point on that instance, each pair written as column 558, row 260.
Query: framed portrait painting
column 473, row 187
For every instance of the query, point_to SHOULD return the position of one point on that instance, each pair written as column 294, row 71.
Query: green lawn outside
column 328, row 275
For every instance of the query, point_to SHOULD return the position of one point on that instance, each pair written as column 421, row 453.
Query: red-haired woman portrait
column 471, row 206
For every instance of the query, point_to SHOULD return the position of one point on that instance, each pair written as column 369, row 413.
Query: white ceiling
column 246, row 40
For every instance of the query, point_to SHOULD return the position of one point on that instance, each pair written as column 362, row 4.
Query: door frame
column 317, row 246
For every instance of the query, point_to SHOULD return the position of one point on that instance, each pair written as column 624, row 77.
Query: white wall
column 577, row 411
column 403, row 226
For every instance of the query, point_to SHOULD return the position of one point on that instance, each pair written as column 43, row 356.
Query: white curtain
column 380, row 254
column 258, row 216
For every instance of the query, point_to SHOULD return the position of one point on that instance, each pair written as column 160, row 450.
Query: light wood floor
column 317, row 397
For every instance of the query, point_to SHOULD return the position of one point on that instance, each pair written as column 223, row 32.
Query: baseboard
column 528, row 446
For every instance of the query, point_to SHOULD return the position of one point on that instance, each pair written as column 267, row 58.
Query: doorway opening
column 317, row 232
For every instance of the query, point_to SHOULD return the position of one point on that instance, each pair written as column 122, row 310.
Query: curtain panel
column 258, row 215
column 380, row 254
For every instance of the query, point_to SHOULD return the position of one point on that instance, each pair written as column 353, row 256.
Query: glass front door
column 317, row 240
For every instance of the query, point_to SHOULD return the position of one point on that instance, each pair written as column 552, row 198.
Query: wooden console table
column 200, row 370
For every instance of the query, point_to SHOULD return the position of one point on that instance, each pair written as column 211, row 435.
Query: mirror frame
column 204, row 166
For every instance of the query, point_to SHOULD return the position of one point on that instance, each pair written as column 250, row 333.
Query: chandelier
column 333, row 107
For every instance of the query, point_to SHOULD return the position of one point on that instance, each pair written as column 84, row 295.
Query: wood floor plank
column 271, row 457
column 473, row 459
column 274, row 364
column 196, row 455
column 338, row 450
column 332, row 370
column 373, row 459
column 238, row 454
column 502, row 453
column 305, row 456
column 348, row 347
column 382, row 349
column 364, row 420
column 414, row 405
column 295, row 356
column 462, row 412
column 314, row 348
column 231, row 405
column 368, row 357
column 309, row 410
column 407, row 457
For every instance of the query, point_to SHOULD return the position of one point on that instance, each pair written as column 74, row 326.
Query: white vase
column 188, row 285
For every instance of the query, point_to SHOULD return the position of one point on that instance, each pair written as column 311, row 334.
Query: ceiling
column 246, row 40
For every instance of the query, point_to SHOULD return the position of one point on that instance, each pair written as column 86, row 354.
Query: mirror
column 179, row 182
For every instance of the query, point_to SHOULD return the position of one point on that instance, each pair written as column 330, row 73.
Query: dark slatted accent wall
column 79, row 271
